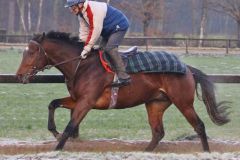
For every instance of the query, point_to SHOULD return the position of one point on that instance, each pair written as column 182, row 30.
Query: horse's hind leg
column 155, row 112
column 64, row 102
column 197, row 124
column 185, row 104
column 181, row 91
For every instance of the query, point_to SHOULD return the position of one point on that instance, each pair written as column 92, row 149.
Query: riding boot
column 123, row 78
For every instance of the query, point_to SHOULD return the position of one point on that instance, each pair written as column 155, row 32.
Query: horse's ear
column 41, row 37
column 34, row 35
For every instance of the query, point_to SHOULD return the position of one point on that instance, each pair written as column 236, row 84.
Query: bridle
column 42, row 51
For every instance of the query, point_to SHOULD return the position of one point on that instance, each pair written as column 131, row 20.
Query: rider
column 100, row 19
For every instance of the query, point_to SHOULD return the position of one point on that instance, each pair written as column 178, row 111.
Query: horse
column 89, row 87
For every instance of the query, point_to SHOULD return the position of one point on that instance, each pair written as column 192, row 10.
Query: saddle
column 131, row 51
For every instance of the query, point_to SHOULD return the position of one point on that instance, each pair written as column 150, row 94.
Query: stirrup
column 121, row 82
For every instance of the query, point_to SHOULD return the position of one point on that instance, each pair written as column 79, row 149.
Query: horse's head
column 34, row 59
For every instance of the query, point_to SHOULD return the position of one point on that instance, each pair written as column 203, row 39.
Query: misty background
column 155, row 18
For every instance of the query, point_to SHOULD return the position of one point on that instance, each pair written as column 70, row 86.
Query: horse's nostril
column 19, row 77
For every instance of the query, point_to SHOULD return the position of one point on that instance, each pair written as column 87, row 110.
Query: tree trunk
column 29, row 16
column 55, row 13
column 203, row 22
column 39, row 15
column 11, row 17
column 238, row 34
column 145, row 28
column 194, row 8
column 146, row 23
column 161, row 18
column 1, row 17
column 21, row 6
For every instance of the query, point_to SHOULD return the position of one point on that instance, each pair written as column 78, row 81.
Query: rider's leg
column 112, row 49
column 103, row 43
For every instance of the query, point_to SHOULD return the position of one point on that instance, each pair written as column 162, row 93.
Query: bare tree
column 144, row 10
column 231, row 8
column 21, row 6
column 194, row 16
column 11, row 16
column 147, row 17
column 39, row 15
column 56, row 12
column 25, row 12
column 29, row 16
column 203, row 21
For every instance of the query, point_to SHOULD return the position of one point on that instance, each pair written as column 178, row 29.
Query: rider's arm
column 95, row 13
column 83, row 29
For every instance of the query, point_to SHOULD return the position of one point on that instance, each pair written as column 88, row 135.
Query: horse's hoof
column 149, row 149
column 58, row 137
column 73, row 139
column 75, row 136
column 59, row 148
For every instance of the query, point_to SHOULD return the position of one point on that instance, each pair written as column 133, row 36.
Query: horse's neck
column 59, row 54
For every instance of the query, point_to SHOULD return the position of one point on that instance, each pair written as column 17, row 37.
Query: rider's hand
column 84, row 54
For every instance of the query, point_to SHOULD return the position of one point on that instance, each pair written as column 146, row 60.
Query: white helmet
column 71, row 3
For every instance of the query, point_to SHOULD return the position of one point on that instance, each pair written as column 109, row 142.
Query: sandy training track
column 184, row 147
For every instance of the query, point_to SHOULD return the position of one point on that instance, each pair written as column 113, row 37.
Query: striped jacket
column 99, row 19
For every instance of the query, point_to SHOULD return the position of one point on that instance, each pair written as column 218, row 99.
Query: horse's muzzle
column 23, row 78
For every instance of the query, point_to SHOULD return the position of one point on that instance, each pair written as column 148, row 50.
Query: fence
column 11, row 78
column 2, row 33
column 182, row 42
column 149, row 41
column 9, row 38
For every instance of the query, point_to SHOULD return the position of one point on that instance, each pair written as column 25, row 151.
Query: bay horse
column 89, row 88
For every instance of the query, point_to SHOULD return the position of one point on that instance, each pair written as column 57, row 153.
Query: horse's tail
column 217, row 111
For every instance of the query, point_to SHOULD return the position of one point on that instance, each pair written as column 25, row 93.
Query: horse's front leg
column 63, row 102
column 76, row 130
column 80, row 111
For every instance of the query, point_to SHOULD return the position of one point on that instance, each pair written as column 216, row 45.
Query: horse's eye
column 29, row 52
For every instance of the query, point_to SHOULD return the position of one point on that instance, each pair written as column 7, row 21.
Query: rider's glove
column 84, row 54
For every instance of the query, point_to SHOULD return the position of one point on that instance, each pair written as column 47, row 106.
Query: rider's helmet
column 71, row 3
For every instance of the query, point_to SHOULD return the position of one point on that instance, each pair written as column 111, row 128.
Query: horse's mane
column 61, row 36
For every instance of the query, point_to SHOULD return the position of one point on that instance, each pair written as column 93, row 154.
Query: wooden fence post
column 227, row 46
column 146, row 43
column 3, row 33
column 186, row 41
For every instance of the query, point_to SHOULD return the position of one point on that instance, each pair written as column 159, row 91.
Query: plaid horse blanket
column 150, row 62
